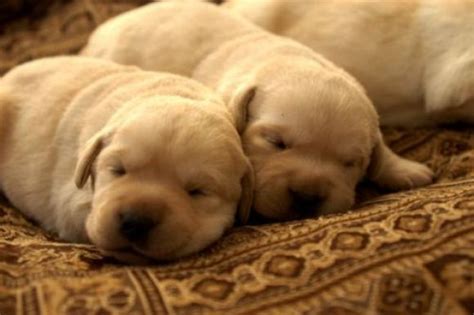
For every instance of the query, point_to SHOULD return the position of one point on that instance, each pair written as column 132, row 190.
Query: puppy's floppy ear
column 88, row 155
column 391, row 171
column 246, row 199
column 239, row 105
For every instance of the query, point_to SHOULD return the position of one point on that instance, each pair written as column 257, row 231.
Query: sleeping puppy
column 131, row 161
column 309, row 129
column 415, row 58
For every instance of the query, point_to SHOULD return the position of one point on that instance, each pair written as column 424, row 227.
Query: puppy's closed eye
column 275, row 140
column 196, row 192
column 352, row 162
column 198, row 189
column 118, row 170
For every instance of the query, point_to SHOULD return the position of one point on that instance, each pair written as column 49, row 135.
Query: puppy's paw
column 403, row 174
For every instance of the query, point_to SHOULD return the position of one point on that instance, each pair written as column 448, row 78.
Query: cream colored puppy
column 415, row 58
column 129, row 160
column 310, row 131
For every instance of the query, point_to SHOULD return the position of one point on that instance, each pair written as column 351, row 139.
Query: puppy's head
column 309, row 132
column 167, row 178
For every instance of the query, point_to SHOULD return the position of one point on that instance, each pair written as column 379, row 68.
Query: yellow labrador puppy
column 132, row 161
column 415, row 58
column 309, row 129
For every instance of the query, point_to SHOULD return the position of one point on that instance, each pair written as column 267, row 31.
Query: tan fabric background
column 400, row 254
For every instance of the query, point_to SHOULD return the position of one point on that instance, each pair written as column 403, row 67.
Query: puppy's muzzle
column 306, row 204
column 135, row 227
column 308, row 198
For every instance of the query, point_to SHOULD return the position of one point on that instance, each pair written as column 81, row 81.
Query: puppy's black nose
column 134, row 227
column 306, row 203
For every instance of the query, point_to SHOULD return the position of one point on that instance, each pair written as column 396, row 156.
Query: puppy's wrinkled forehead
column 329, row 106
column 179, row 134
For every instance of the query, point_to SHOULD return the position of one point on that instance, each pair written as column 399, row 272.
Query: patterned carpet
column 397, row 254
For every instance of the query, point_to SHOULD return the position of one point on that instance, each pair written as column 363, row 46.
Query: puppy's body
column 197, row 40
column 415, row 58
column 300, row 106
column 142, row 137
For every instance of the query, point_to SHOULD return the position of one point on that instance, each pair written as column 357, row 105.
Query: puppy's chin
column 112, row 244
column 138, row 257
column 174, row 240
column 339, row 205
column 128, row 257
column 274, row 203
column 134, row 255
column 292, row 213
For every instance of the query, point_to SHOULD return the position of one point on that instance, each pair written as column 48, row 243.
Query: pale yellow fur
column 414, row 57
column 77, row 119
column 327, row 124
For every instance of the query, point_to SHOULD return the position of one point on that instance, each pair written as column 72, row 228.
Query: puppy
column 415, row 58
column 132, row 161
column 309, row 129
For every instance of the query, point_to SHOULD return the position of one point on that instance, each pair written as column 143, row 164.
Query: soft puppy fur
column 309, row 129
column 132, row 161
column 415, row 58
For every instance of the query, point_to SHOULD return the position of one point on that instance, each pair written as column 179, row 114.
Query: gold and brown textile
column 406, row 253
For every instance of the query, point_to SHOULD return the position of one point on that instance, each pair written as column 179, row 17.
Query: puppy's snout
column 308, row 193
column 307, row 203
column 135, row 228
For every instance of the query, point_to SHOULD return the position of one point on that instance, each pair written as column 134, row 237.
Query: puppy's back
column 177, row 36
